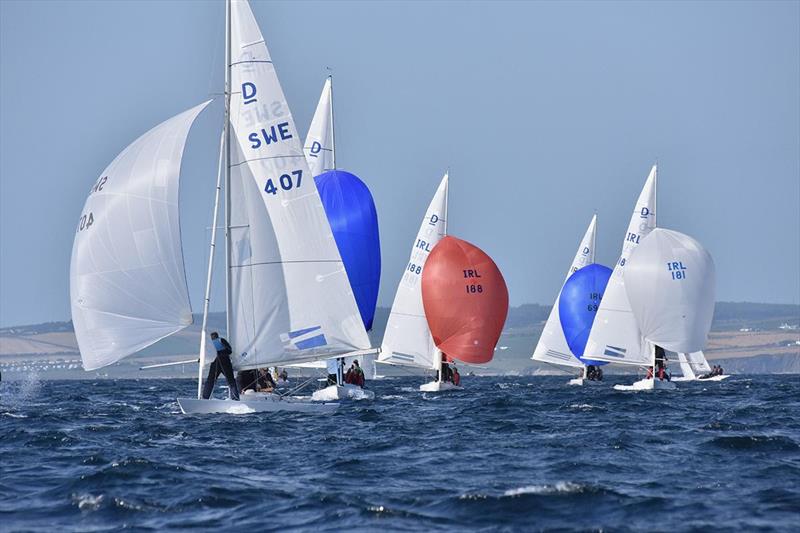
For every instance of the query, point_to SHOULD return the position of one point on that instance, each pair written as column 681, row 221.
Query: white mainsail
column 127, row 281
column 291, row 300
column 615, row 335
column 319, row 147
column 408, row 340
column 692, row 364
column 670, row 282
column 552, row 346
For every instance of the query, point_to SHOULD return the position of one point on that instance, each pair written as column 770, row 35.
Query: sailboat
column 351, row 213
column 288, row 298
column 465, row 299
column 638, row 306
column 407, row 340
column 695, row 367
column 553, row 347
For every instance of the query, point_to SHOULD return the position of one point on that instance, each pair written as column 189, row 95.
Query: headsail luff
column 319, row 141
column 407, row 340
column 552, row 346
column 615, row 336
column 291, row 298
column 127, row 281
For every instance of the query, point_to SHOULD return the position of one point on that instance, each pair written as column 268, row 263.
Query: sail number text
column 596, row 297
column 286, row 182
column 676, row 269
column 472, row 288
column 85, row 221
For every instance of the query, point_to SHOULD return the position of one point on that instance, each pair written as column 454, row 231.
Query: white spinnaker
column 615, row 336
column 670, row 282
column 291, row 299
column 552, row 346
column 407, row 340
column 127, row 280
column 319, row 141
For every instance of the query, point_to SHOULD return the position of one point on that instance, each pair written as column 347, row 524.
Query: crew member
column 221, row 365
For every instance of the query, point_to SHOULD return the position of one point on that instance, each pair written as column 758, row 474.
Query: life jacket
column 456, row 379
column 661, row 373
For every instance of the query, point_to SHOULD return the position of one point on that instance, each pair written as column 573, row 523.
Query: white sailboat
column 320, row 153
column 670, row 284
column 619, row 334
column 695, row 367
column 288, row 298
column 615, row 336
column 407, row 340
column 552, row 347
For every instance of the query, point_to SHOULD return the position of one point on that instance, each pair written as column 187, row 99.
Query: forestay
column 407, row 340
column 552, row 346
column 291, row 300
column 127, row 280
column 670, row 282
column 319, row 141
column 615, row 336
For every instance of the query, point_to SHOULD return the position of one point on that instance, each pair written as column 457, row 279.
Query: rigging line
column 299, row 387
column 286, row 262
column 265, row 158
column 250, row 61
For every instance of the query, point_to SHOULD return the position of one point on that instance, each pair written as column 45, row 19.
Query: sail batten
column 127, row 278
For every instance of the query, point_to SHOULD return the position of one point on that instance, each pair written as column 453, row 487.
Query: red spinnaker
column 465, row 299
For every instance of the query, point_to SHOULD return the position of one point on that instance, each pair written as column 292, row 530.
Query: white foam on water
column 88, row 502
column 562, row 487
column 239, row 409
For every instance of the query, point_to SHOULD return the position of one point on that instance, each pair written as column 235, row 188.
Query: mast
column 227, row 168
column 333, row 129
column 446, row 198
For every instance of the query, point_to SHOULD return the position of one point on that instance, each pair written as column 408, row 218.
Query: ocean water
column 507, row 454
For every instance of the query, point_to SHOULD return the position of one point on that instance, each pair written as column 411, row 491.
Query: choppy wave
column 507, row 453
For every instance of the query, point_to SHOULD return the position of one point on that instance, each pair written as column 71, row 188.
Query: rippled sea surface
column 505, row 454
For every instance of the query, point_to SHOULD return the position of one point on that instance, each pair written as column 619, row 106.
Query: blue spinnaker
column 577, row 306
column 354, row 221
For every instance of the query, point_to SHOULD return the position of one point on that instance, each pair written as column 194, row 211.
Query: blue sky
column 544, row 112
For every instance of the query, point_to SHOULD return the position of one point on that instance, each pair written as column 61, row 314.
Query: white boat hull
column 580, row 382
column 342, row 392
column 715, row 378
column 257, row 404
column 438, row 386
column 712, row 378
column 647, row 384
